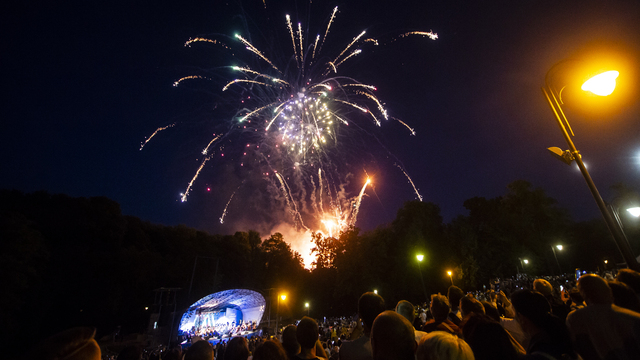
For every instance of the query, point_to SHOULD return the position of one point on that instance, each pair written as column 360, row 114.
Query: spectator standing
column 369, row 306
column 392, row 337
column 602, row 330
column 407, row 310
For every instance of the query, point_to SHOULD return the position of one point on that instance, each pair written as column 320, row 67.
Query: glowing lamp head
column 368, row 181
column 283, row 297
column 559, row 247
column 420, row 257
column 635, row 211
column 306, row 305
column 525, row 261
column 375, row 291
column 602, row 84
column 449, row 273
column 606, row 261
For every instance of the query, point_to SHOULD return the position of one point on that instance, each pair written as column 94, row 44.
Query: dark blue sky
column 86, row 82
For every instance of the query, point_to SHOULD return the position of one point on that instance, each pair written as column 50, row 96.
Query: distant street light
column 283, row 297
column 523, row 262
column 602, row 85
column 450, row 276
column 375, row 291
column 553, row 248
column 306, row 305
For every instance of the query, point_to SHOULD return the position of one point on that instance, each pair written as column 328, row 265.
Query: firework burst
column 295, row 116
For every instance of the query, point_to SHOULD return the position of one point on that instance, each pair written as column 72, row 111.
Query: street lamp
column 554, row 97
column 420, row 257
column 306, row 305
column 283, row 297
column 634, row 211
column 553, row 248
column 450, row 277
column 375, row 291
column 522, row 263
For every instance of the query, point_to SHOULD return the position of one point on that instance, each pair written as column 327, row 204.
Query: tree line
column 78, row 261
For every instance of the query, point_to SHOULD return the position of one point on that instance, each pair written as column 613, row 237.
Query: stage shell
column 224, row 306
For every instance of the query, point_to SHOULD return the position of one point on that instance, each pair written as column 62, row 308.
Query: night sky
column 87, row 82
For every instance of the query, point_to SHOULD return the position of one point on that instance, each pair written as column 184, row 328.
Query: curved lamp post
column 600, row 85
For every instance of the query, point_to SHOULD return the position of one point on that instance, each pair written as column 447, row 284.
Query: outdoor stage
column 223, row 315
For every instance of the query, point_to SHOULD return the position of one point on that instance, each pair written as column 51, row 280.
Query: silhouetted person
column 236, row 349
column 440, row 345
column 454, row 294
column 602, row 330
column 270, row 350
column 307, row 334
column 392, row 337
column 201, row 350
column 369, row 306
column 73, row 344
column 407, row 310
column 548, row 335
column 290, row 342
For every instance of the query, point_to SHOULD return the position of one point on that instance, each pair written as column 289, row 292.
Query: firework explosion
column 295, row 116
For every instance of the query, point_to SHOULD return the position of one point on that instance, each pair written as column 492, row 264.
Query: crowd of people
column 219, row 330
column 596, row 319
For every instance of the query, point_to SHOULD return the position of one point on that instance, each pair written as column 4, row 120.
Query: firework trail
column 206, row 150
column 224, row 213
column 410, row 181
column 413, row 132
column 354, row 217
column 295, row 123
column 186, row 192
column 154, row 134
column 431, row 35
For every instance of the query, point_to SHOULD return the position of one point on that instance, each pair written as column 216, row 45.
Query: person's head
column 237, row 349
column 624, row 296
column 73, row 344
column 270, row 350
column 576, row 298
column 631, row 278
column 454, row 294
column 406, row 309
column 439, row 307
column 531, row 306
column 543, row 287
column 595, row 290
column 289, row 340
column 369, row 306
column 488, row 339
column 533, row 313
column 201, row 350
column 392, row 337
column 440, row 345
column 470, row 305
column 307, row 333
column 490, row 310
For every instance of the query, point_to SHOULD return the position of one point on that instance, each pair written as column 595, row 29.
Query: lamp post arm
column 614, row 228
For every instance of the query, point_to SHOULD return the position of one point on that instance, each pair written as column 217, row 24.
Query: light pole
column 553, row 248
column 450, row 277
column 420, row 257
column 306, row 305
column 283, row 297
column 522, row 263
column 554, row 98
